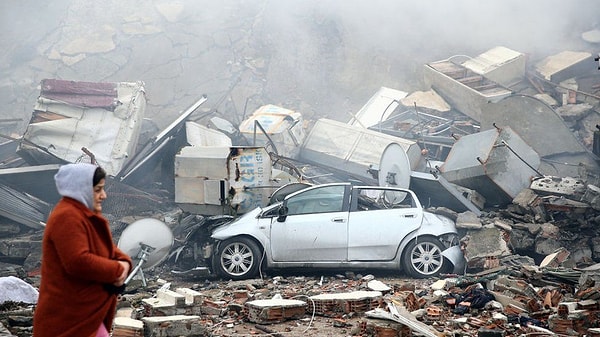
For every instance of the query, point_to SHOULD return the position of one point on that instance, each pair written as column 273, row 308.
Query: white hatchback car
column 339, row 226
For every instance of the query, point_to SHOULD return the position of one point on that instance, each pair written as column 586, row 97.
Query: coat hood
column 76, row 181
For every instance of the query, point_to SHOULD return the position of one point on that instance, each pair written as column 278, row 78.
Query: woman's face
column 99, row 195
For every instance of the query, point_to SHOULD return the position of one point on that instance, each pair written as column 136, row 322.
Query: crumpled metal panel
column 352, row 149
column 104, row 118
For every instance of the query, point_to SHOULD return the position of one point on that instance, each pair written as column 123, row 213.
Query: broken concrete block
column 378, row 327
column 468, row 220
column 565, row 186
column 484, row 332
column 485, row 243
column 547, row 99
column 192, row 297
column 376, row 285
column 581, row 252
column 500, row 64
column 170, row 303
column 546, row 245
column 216, row 308
column 522, row 240
column 592, row 196
column 16, row 290
column 482, row 161
column 573, row 113
column 549, row 231
column 356, row 301
column 127, row 327
column 595, row 248
column 172, row 297
column 504, row 225
column 174, row 326
column 556, row 258
column 275, row 310
column 564, row 65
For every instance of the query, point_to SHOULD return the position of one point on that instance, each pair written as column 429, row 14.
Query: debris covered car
column 338, row 225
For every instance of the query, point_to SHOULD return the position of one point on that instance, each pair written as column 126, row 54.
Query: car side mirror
column 283, row 212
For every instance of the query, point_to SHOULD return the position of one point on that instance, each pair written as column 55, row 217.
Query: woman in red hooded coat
column 81, row 265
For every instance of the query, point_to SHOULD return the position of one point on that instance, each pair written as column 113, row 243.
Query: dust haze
column 321, row 58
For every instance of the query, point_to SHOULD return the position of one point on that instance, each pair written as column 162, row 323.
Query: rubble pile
column 515, row 298
column 475, row 147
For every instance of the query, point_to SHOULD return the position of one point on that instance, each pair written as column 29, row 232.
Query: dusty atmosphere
column 321, row 58
column 532, row 253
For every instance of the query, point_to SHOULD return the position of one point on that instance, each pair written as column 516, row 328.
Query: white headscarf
column 76, row 181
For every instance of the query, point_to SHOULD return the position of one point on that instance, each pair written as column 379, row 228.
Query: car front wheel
column 238, row 258
column 423, row 258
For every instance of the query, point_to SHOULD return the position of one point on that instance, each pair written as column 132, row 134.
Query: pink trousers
column 102, row 332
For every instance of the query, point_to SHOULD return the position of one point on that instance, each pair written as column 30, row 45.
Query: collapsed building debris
column 496, row 163
column 531, row 260
column 104, row 118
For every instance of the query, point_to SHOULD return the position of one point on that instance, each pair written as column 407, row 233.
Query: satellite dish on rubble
column 394, row 167
column 148, row 242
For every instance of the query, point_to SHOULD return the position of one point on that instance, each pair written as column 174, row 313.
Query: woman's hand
column 121, row 280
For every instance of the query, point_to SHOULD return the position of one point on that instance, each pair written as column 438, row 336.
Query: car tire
column 423, row 258
column 237, row 258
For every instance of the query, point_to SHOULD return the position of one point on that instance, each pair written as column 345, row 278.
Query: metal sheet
column 378, row 108
column 23, row 208
column 352, row 148
column 137, row 168
column 69, row 116
column 37, row 181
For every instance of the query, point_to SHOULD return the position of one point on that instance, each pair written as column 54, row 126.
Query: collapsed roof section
column 72, row 117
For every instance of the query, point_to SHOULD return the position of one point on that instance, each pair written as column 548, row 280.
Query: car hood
column 442, row 224
column 229, row 227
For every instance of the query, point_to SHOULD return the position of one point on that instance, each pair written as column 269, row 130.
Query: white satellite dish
column 148, row 242
column 394, row 167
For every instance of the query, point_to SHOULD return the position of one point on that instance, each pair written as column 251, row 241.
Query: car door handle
column 342, row 220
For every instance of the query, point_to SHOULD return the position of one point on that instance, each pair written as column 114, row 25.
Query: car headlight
column 449, row 240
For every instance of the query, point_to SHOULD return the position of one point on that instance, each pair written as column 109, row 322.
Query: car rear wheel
column 238, row 258
column 423, row 258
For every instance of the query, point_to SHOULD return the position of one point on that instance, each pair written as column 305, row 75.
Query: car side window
column 318, row 200
column 373, row 199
